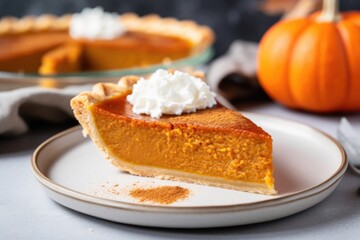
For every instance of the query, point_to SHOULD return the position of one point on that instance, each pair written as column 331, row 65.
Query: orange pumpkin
column 313, row 63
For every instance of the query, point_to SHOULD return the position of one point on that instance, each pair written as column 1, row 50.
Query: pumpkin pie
column 215, row 146
column 44, row 45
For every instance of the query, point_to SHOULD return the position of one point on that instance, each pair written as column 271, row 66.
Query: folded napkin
column 51, row 105
column 232, row 76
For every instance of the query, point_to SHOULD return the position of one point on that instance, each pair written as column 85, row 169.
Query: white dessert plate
column 308, row 166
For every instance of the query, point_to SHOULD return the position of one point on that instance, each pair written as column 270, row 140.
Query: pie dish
column 43, row 44
column 215, row 146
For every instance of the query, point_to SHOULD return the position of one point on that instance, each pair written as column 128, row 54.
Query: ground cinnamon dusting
column 162, row 195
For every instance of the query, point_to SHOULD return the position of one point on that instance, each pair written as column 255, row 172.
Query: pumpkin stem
column 330, row 11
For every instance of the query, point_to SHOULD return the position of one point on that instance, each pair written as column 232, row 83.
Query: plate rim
column 296, row 196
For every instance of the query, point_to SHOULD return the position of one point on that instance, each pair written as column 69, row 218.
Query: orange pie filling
column 190, row 148
column 133, row 49
column 23, row 52
column 55, row 52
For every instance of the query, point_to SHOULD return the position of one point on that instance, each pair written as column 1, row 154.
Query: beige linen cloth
column 232, row 76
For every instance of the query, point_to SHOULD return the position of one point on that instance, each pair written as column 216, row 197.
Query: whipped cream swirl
column 170, row 93
column 96, row 24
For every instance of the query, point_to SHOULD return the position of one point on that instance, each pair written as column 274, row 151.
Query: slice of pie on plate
column 215, row 146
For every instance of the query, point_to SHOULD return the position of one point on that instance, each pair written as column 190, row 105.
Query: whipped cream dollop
column 170, row 93
column 94, row 23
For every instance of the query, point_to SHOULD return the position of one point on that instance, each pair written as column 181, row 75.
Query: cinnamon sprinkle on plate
column 161, row 195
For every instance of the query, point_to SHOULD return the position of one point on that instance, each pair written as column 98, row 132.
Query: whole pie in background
column 43, row 44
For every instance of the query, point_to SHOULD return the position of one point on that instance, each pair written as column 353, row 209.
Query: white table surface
column 27, row 213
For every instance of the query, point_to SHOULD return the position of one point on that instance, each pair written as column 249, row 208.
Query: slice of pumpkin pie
column 170, row 127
